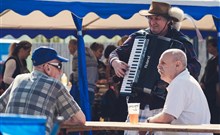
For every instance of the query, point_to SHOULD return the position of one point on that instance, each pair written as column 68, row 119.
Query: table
column 90, row 125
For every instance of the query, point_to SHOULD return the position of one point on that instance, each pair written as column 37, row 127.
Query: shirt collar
column 182, row 74
column 38, row 73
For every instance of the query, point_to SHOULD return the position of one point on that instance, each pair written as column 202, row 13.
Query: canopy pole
column 82, row 74
column 91, row 22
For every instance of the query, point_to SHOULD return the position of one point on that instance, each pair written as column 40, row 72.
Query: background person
column 41, row 93
column 109, row 70
column 162, row 20
column 210, row 80
column 91, row 69
column 122, row 40
column 185, row 102
column 98, row 49
column 109, row 110
column 16, row 63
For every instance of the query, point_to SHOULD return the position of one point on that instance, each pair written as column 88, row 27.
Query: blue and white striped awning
column 105, row 8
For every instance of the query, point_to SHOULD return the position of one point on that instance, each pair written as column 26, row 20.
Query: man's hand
column 120, row 67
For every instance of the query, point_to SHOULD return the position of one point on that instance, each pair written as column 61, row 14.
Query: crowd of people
column 177, row 96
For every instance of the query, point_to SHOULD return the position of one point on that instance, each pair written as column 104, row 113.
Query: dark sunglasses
column 56, row 65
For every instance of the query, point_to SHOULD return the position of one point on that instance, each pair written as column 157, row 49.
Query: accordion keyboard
column 135, row 62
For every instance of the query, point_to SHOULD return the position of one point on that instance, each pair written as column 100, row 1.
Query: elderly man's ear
column 179, row 65
column 47, row 69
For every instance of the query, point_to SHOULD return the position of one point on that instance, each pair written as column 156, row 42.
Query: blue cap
column 44, row 54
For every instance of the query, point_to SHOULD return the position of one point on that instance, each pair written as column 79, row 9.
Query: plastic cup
column 133, row 112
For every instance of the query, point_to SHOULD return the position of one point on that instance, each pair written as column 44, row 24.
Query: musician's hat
column 165, row 10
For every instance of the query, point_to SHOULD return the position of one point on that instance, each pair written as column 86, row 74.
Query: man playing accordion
column 164, row 21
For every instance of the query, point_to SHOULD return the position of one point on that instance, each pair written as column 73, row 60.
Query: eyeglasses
column 56, row 65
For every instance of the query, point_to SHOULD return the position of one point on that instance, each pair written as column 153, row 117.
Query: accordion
column 143, row 62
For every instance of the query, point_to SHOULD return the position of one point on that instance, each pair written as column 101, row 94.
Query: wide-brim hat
column 45, row 54
column 165, row 10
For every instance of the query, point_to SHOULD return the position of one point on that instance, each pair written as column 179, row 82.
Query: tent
column 104, row 9
column 62, row 25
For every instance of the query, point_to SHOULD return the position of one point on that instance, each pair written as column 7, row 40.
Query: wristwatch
column 148, row 120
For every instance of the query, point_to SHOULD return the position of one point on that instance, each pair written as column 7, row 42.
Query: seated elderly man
column 185, row 102
column 41, row 93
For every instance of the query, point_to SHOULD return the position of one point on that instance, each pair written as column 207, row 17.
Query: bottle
column 64, row 79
